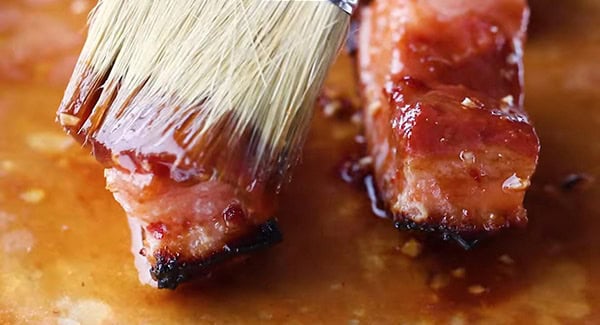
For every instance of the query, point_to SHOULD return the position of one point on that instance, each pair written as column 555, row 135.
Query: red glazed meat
column 181, row 231
column 186, row 218
column 453, row 148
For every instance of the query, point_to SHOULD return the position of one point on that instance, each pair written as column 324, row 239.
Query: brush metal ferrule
column 348, row 6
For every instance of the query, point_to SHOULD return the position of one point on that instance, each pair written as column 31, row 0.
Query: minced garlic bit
column 356, row 119
column 374, row 107
column 49, row 142
column 468, row 102
column 365, row 162
column 477, row 289
column 412, row 248
column 332, row 108
column 68, row 119
column 467, row 157
column 33, row 196
column 515, row 184
column 506, row 259
column 506, row 103
column 439, row 281
column 509, row 100
column 459, row 273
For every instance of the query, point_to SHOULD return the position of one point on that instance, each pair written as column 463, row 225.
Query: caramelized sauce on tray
column 64, row 242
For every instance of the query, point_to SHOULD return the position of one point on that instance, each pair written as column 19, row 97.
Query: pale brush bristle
column 200, row 71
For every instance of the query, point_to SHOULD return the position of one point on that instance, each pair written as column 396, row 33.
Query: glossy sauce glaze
column 64, row 242
column 453, row 149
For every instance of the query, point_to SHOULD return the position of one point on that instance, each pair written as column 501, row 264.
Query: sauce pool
column 64, row 242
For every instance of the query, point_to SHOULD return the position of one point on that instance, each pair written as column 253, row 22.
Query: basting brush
column 199, row 109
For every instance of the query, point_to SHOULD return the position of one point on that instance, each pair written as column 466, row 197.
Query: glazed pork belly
column 185, row 230
column 453, row 148
column 188, row 216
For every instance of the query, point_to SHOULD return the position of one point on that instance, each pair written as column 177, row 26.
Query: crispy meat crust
column 170, row 270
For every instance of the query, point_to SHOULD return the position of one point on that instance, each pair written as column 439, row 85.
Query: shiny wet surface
column 64, row 242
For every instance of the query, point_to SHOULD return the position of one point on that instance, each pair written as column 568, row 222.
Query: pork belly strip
column 187, row 229
column 453, row 148
column 187, row 217
column 181, row 231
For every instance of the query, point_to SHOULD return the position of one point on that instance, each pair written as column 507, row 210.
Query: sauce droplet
column 467, row 157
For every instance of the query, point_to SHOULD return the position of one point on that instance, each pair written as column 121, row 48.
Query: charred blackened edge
column 466, row 240
column 170, row 270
